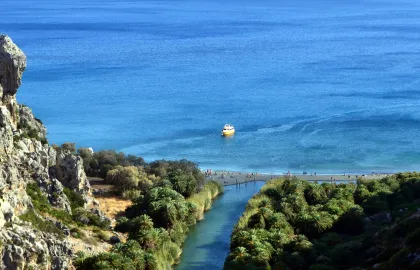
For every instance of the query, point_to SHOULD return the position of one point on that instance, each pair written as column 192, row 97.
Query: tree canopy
column 294, row 224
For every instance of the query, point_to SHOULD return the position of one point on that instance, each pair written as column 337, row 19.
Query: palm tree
column 130, row 249
column 304, row 223
column 148, row 239
column 260, row 219
column 239, row 239
column 278, row 239
column 150, row 262
column 142, row 222
column 287, row 209
column 323, row 222
column 168, row 211
column 262, row 252
column 315, row 194
column 240, row 253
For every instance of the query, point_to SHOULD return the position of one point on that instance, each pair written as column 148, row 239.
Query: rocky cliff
column 26, row 160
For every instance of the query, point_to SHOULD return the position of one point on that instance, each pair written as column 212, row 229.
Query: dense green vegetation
column 99, row 163
column 157, row 225
column 131, row 172
column 168, row 198
column 294, row 224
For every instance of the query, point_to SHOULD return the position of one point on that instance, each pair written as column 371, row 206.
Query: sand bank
column 231, row 178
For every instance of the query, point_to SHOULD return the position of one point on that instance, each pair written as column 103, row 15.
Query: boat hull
column 228, row 133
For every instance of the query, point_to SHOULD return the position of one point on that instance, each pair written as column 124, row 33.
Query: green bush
column 124, row 178
column 123, row 225
column 76, row 199
column 132, row 194
column 33, row 133
column 104, row 236
column 41, row 204
column 39, row 200
column 41, row 224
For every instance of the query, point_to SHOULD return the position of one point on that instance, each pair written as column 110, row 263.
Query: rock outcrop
column 26, row 157
column 12, row 65
column 28, row 248
column 70, row 172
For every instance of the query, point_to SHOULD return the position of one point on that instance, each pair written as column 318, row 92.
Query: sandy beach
column 231, row 178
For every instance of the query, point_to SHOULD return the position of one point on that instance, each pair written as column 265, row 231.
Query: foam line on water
column 346, row 114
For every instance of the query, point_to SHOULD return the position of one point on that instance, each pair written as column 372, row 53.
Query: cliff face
column 26, row 158
column 12, row 65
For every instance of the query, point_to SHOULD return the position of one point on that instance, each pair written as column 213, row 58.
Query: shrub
column 41, row 224
column 131, row 194
column 55, row 147
column 123, row 225
column 38, row 120
column 76, row 199
column 102, row 235
column 44, row 140
column 39, row 200
column 41, row 204
column 124, row 178
column 69, row 146
column 33, row 133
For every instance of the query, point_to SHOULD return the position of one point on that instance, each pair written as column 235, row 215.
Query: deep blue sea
column 310, row 85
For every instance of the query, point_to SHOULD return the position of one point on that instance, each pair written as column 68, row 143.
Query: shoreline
column 227, row 178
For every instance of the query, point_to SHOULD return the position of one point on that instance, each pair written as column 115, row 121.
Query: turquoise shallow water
column 325, row 85
column 207, row 244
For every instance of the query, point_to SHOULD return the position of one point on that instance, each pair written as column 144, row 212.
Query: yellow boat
column 228, row 130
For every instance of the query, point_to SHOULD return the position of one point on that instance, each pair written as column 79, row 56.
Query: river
column 207, row 243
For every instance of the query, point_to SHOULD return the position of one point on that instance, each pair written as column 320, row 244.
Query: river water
column 207, row 244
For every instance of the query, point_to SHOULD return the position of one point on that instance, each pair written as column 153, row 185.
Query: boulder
column 114, row 239
column 70, row 172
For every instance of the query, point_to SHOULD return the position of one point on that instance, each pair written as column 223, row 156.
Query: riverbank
column 208, row 242
column 227, row 178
